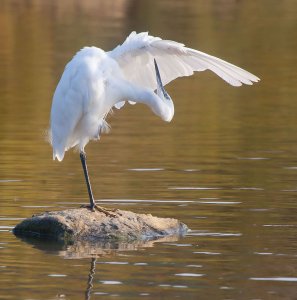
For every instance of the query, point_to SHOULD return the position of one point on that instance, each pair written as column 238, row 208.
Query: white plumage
column 94, row 81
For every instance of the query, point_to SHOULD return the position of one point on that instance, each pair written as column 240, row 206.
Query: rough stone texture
column 81, row 224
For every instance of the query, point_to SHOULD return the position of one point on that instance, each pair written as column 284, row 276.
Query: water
column 226, row 166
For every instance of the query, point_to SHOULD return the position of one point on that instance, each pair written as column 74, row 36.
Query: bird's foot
column 107, row 212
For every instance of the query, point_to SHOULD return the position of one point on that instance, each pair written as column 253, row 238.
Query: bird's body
column 95, row 81
column 82, row 100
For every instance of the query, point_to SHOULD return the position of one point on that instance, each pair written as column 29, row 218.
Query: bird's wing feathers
column 135, row 57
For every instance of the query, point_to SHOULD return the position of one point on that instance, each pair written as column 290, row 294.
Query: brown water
column 226, row 165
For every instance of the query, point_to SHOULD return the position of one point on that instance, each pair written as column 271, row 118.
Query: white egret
column 95, row 81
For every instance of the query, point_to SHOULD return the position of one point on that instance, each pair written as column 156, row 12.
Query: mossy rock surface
column 81, row 224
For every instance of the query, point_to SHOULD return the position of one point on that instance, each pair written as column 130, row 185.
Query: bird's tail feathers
column 58, row 154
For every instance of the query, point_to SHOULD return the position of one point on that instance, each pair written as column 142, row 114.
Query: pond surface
column 226, row 165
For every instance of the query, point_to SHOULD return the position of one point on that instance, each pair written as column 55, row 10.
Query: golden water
column 226, row 165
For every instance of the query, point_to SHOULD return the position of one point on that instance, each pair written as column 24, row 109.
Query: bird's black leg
column 85, row 168
column 92, row 205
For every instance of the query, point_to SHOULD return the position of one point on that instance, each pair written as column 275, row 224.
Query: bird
column 94, row 82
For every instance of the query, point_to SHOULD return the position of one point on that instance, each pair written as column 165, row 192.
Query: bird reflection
column 90, row 279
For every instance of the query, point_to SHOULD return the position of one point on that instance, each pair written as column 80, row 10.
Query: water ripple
column 248, row 188
column 110, row 282
column 213, row 234
column 6, row 227
column 189, row 188
column 37, row 206
column 287, row 279
column 189, row 274
column 178, row 245
column 100, row 293
column 146, row 169
column 57, row 275
column 219, row 202
column 279, row 225
column 146, row 201
column 11, row 219
column 114, row 262
column 10, row 180
column 252, row 158
column 207, row 253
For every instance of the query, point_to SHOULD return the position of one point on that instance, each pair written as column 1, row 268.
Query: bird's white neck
column 164, row 108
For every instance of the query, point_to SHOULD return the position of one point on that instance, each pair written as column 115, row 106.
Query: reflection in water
column 286, row 279
column 90, row 278
column 241, row 141
column 85, row 249
column 81, row 249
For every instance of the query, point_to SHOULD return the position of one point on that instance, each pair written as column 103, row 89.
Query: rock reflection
column 93, row 251
column 84, row 249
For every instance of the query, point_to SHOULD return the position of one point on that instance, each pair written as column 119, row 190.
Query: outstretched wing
column 135, row 57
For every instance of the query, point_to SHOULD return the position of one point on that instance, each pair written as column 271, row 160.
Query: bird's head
column 164, row 96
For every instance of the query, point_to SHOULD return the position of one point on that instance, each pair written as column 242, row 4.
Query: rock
column 71, row 225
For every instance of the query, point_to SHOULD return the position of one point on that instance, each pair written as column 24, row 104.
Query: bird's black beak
column 160, row 87
column 158, row 76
